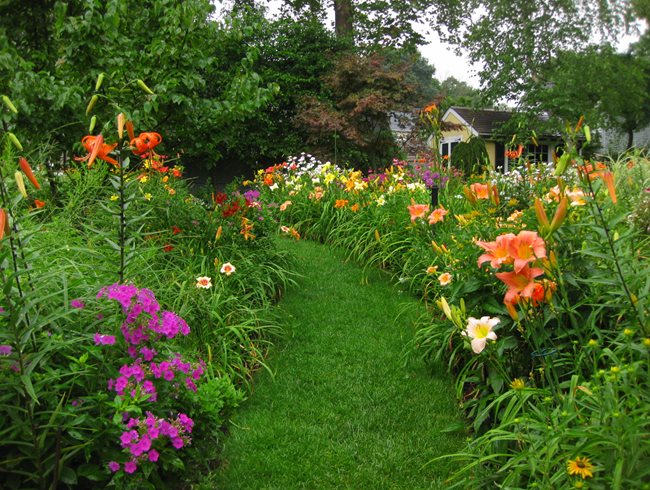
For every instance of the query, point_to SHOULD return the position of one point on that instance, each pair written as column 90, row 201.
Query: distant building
column 484, row 124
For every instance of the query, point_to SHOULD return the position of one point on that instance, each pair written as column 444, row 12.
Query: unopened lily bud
column 14, row 140
column 20, row 183
column 129, row 130
column 562, row 164
column 4, row 223
column 377, row 237
column 560, row 214
column 93, row 122
column 587, row 134
column 469, row 195
column 91, row 104
column 144, row 87
column 512, row 311
column 608, row 178
column 579, row 125
column 27, row 170
column 218, row 234
column 540, row 212
column 121, row 118
column 444, row 306
column 98, row 83
column 10, row 105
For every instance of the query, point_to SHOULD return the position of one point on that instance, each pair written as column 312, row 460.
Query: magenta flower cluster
column 143, row 378
column 141, row 435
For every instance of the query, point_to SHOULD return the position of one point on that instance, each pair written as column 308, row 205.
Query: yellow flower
column 143, row 178
column 518, row 384
column 432, row 269
column 628, row 332
column 592, row 343
column 148, row 196
column 580, row 466
column 165, row 178
column 114, row 197
column 646, row 342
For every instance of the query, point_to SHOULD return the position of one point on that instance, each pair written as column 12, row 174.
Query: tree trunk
column 343, row 18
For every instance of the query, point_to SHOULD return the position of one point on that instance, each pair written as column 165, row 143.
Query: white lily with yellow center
column 479, row 331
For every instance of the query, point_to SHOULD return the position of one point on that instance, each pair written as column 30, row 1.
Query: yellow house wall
column 491, row 148
column 464, row 133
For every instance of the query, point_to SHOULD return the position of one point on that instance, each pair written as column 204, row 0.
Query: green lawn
column 343, row 410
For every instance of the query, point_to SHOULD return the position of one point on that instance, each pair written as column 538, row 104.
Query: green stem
column 610, row 242
column 122, row 224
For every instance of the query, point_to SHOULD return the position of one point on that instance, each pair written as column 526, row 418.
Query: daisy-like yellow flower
column 114, row 197
column 518, row 384
column 147, row 196
column 580, row 466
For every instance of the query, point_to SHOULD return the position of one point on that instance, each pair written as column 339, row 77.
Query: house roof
column 483, row 121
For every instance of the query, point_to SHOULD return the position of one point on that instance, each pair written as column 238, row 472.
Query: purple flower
column 177, row 442
column 130, row 467
column 113, row 466
column 77, row 303
column 5, row 350
column 153, row 455
column 147, row 353
column 101, row 339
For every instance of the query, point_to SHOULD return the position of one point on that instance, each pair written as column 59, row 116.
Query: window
column 537, row 153
column 447, row 146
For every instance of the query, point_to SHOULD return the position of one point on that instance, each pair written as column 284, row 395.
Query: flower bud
column 20, row 183
column 144, row 87
column 93, row 121
column 560, row 214
column 10, row 105
column 120, row 124
column 4, row 223
column 91, row 104
column 14, row 140
column 99, row 81
column 27, row 170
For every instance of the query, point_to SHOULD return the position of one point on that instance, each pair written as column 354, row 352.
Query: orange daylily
column 341, row 203
column 497, row 251
column 39, row 204
column 520, row 284
column 437, row 215
column 514, row 154
column 417, row 210
column 145, row 143
column 481, row 191
column 526, row 247
column 96, row 148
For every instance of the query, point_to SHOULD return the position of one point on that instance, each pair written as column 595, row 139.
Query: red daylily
column 520, row 284
column 96, row 148
column 526, row 247
column 175, row 230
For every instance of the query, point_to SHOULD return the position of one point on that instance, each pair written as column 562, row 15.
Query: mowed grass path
column 342, row 411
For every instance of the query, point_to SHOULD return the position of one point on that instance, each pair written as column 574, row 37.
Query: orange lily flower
column 417, row 210
column 481, row 191
column 341, row 203
column 96, row 148
column 526, row 247
column 520, row 284
column 39, row 204
column 497, row 251
column 145, row 143
column 437, row 215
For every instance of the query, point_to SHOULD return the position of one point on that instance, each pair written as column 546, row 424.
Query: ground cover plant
column 537, row 285
column 133, row 315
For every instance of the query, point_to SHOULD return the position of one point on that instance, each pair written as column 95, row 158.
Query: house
column 484, row 124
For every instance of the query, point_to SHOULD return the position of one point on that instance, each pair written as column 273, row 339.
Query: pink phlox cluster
column 141, row 434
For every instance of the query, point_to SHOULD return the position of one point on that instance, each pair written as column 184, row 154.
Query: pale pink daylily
column 479, row 331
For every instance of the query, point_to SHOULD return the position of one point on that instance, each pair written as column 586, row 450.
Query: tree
column 350, row 121
column 199, row 71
